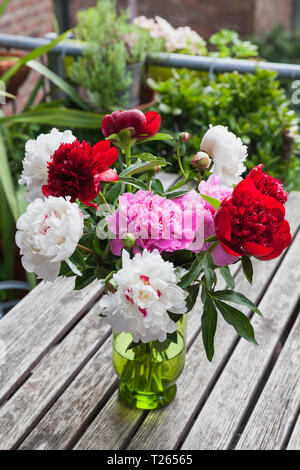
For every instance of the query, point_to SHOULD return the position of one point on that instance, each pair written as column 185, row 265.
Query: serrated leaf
column 208, row 326
column 225, row 272
column 247, row 268
column 237, row 319
column 237, row 298
column 211, row 200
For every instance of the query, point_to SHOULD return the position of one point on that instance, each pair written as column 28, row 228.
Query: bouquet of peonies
column 156, row 252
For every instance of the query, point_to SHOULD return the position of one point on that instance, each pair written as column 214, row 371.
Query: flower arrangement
column 156, row 252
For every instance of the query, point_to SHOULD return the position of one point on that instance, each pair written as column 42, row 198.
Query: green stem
column 183, row 172
column 102, row 197
column 127, row 151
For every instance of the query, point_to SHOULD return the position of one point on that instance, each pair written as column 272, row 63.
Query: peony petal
column 109, row 175
column 223, row 223
column 153, row 123
column 108, row 125
column 255, row 249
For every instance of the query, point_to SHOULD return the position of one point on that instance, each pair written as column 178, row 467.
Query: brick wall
column 28, row 18
column 207, row 17
column 269, row 12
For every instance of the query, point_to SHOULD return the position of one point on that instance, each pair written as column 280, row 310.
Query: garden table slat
column 277, row 407
column 69, row 395
column 31, row 328
column 82, row 397
column 294, row 441
column 218, row 422
column 117, row 430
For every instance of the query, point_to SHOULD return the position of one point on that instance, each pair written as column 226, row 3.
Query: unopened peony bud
column 201, row 161
column 184, row 137
column 129, row 240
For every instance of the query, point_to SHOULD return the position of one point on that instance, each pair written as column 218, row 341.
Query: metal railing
column 211, row 64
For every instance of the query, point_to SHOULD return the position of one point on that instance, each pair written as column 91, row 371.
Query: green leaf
column 237, row 298
column 157, row 187
column 158, row 136
column 113, row 195
column 211, row 200
column 209, row 272
column 78, row 259
column 175, row 317
column 140, row 168
column 225, row 271
column 192, row 297
column 161, row 345
column 212, row 238
column 194, row 271
column 247, row 268
column 237, row 319
column 174, row 194
column 135, row 182
column 133, row 345
column 7, row 181
column 37, row 52
column 208, row 326
column 149, row 157
column 3, row 6
column 57, row 116
column 58, row 81
column 87, row 277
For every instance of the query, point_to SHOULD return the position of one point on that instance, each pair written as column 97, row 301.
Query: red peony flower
column 77, row 170
column 142, row 125
column 267, row 184
column 250, row 222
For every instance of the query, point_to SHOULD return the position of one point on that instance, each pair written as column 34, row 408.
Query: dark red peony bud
column 142, row 125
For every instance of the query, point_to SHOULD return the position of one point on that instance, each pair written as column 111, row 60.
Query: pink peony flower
column 156, row 223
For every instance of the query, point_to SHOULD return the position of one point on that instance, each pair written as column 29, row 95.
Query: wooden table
column 58, row 389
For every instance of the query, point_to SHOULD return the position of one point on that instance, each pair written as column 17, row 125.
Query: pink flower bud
column 184, row 137
column 201, row 161
column 141, row 125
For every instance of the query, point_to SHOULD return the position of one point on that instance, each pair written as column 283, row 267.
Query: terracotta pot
column 19, row 77
column 147, row 97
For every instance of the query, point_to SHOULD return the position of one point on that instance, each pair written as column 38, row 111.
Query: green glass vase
column 148, row 375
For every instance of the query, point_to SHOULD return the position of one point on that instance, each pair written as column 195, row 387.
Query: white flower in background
column 37, row 155
column 47, row 234
column 146, row 290
column 227, row 152
column 175, row 39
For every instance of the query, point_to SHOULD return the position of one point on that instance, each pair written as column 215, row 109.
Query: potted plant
column 110, row 69
column 7, row 61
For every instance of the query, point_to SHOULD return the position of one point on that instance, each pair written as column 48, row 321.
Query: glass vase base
column 146, row 401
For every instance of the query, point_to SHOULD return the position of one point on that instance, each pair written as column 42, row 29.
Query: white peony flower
column 37, row 155
column 47, row 234
column 227, row 152
column 146, row 290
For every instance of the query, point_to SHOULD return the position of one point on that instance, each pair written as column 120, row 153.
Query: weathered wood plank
column 218, row 421
column 117, row 430
column 165, row 428
column 49, row 379
column 277, row 407
column 36, row 323
column 294, row 442
column 81, row 399
column 63, row 435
